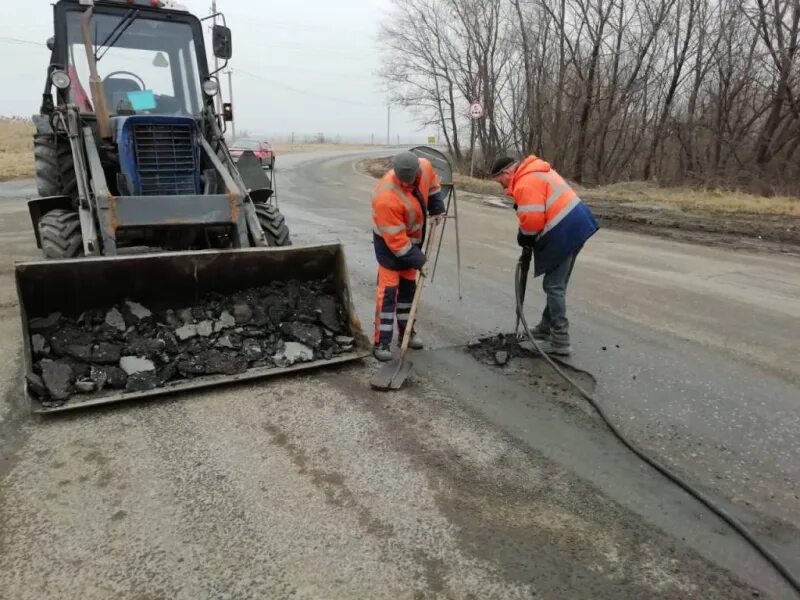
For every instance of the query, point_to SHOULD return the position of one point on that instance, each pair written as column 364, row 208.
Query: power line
column 13, row 40
column 304, row 92
column 242, row 71
column 298, row 25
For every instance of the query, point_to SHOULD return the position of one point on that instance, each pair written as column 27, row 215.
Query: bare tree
column 700, row 91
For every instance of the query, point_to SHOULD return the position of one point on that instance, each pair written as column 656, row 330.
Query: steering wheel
column 134, row 75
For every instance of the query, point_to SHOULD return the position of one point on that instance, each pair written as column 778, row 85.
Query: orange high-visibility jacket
column 551, row 216
column 429, row 183
column 542, row 196
column 398, row 217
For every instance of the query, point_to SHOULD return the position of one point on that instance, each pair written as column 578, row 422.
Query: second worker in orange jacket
column 402, row 201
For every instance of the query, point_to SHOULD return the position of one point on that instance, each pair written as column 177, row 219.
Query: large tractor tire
column 273, row 224
column 60, row 232
column 55, row 171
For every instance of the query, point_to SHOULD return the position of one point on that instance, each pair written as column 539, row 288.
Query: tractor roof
column 164, row 4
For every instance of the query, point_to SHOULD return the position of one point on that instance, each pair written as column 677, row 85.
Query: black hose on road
column 705, row 500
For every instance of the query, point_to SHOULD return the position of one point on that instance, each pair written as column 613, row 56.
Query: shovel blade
column 391, row 375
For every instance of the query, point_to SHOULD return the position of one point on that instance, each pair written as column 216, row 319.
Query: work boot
column 550, row 347
column 414, row 343
column 382, row 352
column 540, row 332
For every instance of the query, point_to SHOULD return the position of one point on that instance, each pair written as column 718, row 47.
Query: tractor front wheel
column 55, row 171
column 60, row 232
column 273, row 224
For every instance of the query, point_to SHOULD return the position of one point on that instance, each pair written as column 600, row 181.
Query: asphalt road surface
column 471, row 482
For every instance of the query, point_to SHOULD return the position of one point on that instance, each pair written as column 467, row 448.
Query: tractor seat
column 117, row 89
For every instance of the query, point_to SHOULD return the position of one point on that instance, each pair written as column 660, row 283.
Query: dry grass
column 704, row 200
column 485, row 187
column 698, row 199
column 707, row 200
column 378, row 166
column 297, row 148
column 16, row 150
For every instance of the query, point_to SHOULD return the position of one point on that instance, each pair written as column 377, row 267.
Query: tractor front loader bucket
column 286, row 286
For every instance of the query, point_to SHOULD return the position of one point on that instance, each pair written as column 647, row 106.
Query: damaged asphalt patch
column 508, row 353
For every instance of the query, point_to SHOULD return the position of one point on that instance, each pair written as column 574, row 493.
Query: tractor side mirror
column 227, row 111
column 51, row 43
column 221, row 40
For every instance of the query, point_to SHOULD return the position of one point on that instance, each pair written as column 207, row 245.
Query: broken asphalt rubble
column 132, row 347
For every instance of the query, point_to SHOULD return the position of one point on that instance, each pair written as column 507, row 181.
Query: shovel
column 393, row 374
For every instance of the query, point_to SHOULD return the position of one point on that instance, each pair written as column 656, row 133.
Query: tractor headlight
column 210, row 87
column 60, row 79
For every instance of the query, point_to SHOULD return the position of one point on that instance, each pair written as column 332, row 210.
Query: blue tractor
column 130, row 150
column 141, row 201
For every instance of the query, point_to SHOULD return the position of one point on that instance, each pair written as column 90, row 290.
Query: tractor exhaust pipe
column 95, row 83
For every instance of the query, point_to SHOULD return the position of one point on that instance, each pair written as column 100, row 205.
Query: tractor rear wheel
column 273, row 224
column 60, row 232
column 55, row 171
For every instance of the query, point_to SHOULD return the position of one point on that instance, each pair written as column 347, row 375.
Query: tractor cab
column 131, row 154
column 146, row 58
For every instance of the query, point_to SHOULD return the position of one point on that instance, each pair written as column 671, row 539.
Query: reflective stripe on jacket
column 542, row 196
column 551, row 216
column 399, row 214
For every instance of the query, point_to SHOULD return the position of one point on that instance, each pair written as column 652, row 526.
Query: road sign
column 475, row 110
column 431, row 139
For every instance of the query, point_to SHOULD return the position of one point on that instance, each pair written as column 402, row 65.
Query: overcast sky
column 299, row 65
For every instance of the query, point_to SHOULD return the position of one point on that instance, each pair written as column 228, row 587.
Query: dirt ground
column 302, row 147
column 772, row 233
column 727, row 225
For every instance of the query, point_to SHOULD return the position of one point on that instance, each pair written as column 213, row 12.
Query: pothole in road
column 507, row 352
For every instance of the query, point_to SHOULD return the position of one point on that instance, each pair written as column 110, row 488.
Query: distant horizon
column 309, row 67
column 304, row 136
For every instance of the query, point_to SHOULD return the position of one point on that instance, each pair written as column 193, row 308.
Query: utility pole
column 388, row 123
column 230, row 99
column 472, row 147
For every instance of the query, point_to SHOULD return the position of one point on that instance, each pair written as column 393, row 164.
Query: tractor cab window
column 151, row 68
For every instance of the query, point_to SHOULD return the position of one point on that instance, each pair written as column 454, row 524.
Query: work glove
column 438, row 219
column 423, row 267
column 525, row 241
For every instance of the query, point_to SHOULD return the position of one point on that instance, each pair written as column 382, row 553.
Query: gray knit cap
column 406, row 167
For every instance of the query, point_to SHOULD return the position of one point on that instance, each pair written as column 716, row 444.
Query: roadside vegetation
column 16, row 149
column 685, row 93
column 641, row 193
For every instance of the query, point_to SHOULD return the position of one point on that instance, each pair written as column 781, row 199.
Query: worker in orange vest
column 555, row 224
column 401, row 203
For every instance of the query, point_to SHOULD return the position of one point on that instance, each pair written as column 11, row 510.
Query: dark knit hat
column 501, row 164
column 406, row 166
